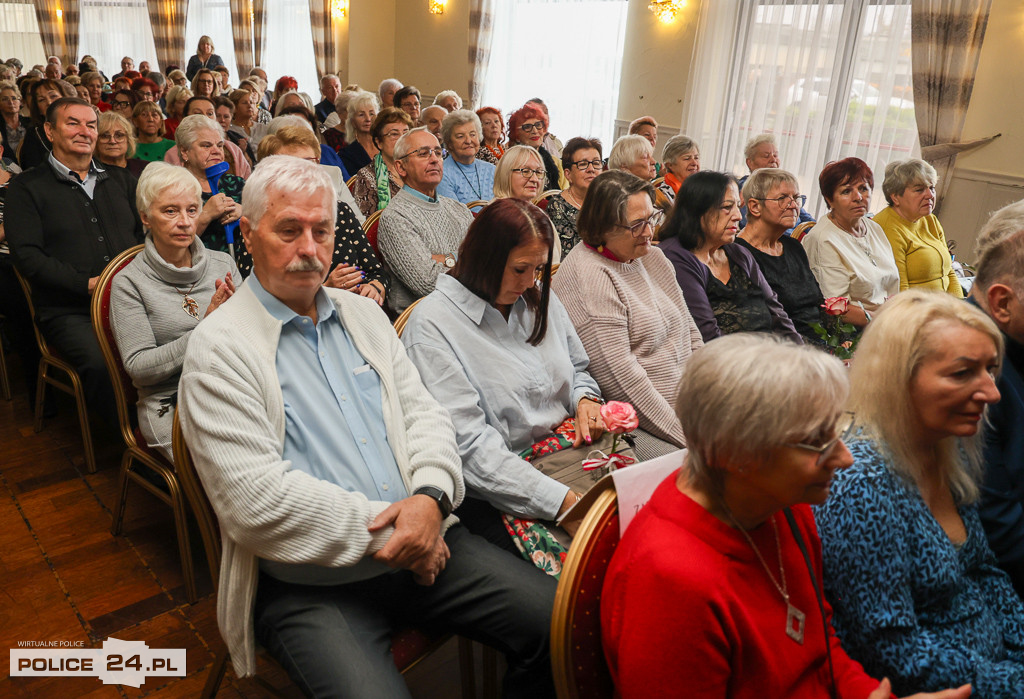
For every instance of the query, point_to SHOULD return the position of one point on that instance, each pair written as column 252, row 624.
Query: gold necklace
column 188, row 304
column 575, row 202
column 794, row 617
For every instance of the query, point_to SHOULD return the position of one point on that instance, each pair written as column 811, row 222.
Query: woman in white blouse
column 849, row 253
column 497, row 349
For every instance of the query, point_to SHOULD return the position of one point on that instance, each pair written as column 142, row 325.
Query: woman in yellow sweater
column 914, row 232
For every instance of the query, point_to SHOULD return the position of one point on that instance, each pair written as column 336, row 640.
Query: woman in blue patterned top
column 914, row 586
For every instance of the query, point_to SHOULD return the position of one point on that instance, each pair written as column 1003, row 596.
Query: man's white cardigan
column 232, row 414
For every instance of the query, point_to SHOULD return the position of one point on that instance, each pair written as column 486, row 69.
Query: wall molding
column 997, row 178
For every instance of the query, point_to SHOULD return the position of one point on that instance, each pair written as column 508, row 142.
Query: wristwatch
column 449, row 260
column 438, row 496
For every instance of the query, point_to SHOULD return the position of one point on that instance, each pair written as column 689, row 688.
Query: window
column 19, row 33
column 288, row 45
column 108, row 30
column 568, row 53
column 830, row 78
column 211, row 18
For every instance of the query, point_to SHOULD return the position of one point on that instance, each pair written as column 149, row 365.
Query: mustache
column 308, row 264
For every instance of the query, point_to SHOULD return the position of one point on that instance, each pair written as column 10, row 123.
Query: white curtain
column 568, row 53
column 829, row 78
column 19, row 33
column 211, row 18
column 288, row 45
column 112, row 29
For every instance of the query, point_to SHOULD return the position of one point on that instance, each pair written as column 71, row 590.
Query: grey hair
column 307, row 102
column 157, row 77
column 344, row 97
column 424, row 111
column 677, row 146
column 756, row 142
column 402, row 144
column 388, row 82
column 285, row 175
column 746, row 393
column 90, row 75
column 1004, row 222
column 188, row 130
column 515, row 157
column 330, row 76
column 448, row 93
column 900, row 174
column 1002, row 263
column 355, row 103
column 176, row 73
column 163, row 178
column 455, row 119
column 288, row 120
column 627, row 150
column 176, row 93
column 764, row 180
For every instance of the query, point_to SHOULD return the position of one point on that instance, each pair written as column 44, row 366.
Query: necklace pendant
column 795, row 621
column 189, row 305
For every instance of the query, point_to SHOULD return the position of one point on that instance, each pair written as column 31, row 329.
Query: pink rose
column 619, row 417
column 836, row 306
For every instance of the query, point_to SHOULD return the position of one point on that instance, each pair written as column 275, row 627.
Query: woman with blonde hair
column 204, row 58
column 362, row 110
column 914, row 585
column 177, row 96
column 519, row 174
column 115, row 140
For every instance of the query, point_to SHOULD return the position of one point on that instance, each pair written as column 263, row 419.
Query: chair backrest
column 541, row 200
column 478, row 203
column 26, row 288
column 125, row 395
column 577, row 656
column 403, row 318
column 195, row 495
column 370, row 226
column 800, row 231
column 351, row 184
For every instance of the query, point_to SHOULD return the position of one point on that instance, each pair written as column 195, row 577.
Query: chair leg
column 83, row 422
column 467, row 668
column 184, row 542
column 122, row 494
column 490, row 662
column 37, row 426
column 216, row 676
column 5, row 381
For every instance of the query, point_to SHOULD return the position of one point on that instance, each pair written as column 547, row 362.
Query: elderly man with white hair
column 335, row 487
column 763, row 151
column 330, row 88
column 420, row 231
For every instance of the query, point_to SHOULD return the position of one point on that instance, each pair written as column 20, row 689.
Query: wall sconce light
column 436, row 7
column 60, row 13
column 339, row 8
column 666, row 10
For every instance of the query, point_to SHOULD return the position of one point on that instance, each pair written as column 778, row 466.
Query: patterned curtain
column 59, row 34
column 481, row 21
column 247, row 17
column 947, row 37
column 324, row 50
column 168, row 20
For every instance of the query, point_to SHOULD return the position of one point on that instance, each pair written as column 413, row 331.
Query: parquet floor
column 64, row 577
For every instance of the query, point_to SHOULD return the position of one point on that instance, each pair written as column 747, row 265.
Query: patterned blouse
column 364, row 189
column 908, row 603
column 739, row 305
column 214, row 237
column 485, row 154
column 335, row 139
column 563, row 216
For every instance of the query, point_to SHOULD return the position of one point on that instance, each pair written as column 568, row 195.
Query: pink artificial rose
column 836, row 305
column 619, row 417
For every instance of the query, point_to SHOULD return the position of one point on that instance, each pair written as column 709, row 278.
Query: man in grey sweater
column 420, row 232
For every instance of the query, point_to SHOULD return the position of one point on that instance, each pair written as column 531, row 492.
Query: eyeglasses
column 787, row 199
column 114, row 136
column 530, row 128
column 120, row 104
column 10, row 99
column 844, row 428
column 637, row 227
column 424, row 153
column 392, row 135
column 529, row 173
column 588, row 164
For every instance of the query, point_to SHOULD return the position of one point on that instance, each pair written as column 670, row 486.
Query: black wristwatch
column 438, row 496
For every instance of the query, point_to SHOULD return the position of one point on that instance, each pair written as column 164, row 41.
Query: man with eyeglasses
column 762, row 151
column 420, row 232
column 66, row 219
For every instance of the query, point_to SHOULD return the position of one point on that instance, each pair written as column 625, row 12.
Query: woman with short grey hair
column 200, row 142
column 680, row 159
column 466, row 178
column 918, row 242
column 634, row 154
column 450, row 100
column 160, row 296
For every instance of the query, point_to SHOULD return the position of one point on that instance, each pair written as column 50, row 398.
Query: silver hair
column 388, row 82
column 448, row 93
column 1002, row 263
column 163, row 178
column 288, row 120
column 402, row 144
column 726, row 387
column 285, row 175
column 344, row 97
column 330, row 76
column 427, row 109
column 627, row 150
column 355, row 103
column 756, row 142
column 188, row 130
column 1002, row 224
column 456, row 119
column 677, row 146
column 764, row 180
column 515, row 157
column 306, row 100
column 900, row 174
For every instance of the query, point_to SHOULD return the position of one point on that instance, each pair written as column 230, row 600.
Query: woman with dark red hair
column 493, row 128
column 527, row 126
column 285, row 83
column 144, row 90
column 849, row 253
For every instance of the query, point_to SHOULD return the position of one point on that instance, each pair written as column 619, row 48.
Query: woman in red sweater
column 714, row 589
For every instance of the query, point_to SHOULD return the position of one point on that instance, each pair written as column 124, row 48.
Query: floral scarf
column 380, row 171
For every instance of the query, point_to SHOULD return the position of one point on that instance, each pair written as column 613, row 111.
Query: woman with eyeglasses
column 492, row 129
column 581, row 162
column 376, row 183
column 915, row 588
column 715, row 588
column 527, row 126
column 773, row 207
column 520, row 174
column 466, row 178
column 115, row 141
column 623, row 299
column 121, row 102
column 15, row 126
column 723, row 286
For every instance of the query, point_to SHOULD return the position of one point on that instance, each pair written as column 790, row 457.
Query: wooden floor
column 63, row 577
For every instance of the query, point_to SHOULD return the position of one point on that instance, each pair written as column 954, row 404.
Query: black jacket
column 8, row 151
column 60, row 238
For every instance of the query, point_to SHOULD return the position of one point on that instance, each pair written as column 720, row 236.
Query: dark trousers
column 334, row 640
column 17, row 325
column 72, row 336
